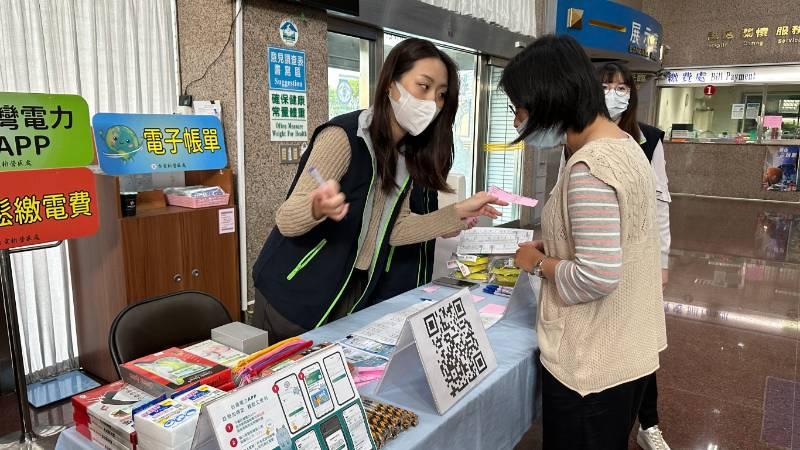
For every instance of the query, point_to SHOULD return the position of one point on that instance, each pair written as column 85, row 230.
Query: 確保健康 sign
column 148, row 143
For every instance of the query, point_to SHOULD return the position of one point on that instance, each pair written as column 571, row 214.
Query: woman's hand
column 479, row 205
column 327, row 201
column 528, row 255
column 539, row 245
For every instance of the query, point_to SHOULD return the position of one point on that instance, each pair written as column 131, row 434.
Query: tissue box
column 200, row 396
column 167, row 424
column 172, row 370
column 241, row 337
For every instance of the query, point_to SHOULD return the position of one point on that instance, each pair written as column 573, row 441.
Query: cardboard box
column 112, row 414
column 108, row 407
column 107, row 441
column 240, row 336
column 173, row 370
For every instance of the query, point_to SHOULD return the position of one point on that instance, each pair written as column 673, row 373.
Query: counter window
column 730, row 104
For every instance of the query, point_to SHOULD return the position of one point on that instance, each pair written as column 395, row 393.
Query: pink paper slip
column 477, row 298
column 493, row 308
column 773, row 121
column 431, row 289
column 512, row 198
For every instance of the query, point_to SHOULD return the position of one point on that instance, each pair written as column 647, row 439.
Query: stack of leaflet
column 171, row 423
column 104, row 415
column 172, row 370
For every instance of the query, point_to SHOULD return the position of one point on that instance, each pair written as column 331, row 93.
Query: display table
column 494, row 415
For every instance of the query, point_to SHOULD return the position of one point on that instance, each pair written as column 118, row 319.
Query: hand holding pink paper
column 512, row 198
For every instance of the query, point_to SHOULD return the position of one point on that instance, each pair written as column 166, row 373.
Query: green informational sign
column 44, row 131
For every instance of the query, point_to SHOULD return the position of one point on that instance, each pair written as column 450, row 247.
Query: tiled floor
column 729, row 377
column 56, row 415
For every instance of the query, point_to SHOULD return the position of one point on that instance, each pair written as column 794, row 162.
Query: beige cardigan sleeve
column 410, row 228
column 331, row 157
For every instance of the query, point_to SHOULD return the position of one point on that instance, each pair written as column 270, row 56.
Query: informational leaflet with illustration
column 368, row 345
column 334, row 436
column 317, row 390
column 310, row 405
column 339, row 376
column 386, row 330
column 358, row 428
column 293, row 403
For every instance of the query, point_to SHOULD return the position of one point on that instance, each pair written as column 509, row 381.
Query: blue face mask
column 548, row 138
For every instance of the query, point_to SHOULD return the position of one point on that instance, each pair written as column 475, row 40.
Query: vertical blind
column 502, row 167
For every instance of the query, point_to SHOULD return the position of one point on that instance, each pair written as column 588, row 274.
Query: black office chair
column 172, row 320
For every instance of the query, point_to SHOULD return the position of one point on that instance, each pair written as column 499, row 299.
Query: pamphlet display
column 452, row 347
column 780, row 169
column 312, row 404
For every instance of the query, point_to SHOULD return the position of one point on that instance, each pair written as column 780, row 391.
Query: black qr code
column 458, row 353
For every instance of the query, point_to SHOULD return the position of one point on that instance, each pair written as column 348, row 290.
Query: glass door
column 349, row 72
column 502, row 163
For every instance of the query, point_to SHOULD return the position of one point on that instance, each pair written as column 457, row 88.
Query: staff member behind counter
column 325, row 257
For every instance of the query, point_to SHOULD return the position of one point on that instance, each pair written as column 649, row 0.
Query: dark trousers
column 278, row 327
column 600, row 421
column 648, row 412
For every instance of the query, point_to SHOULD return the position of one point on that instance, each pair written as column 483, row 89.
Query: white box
column 240, row 336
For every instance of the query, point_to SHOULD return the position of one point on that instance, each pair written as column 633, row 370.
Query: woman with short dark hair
column 601, row 319
column 622, row 100
column 332, row 239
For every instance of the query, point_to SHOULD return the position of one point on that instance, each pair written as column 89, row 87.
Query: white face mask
column 616, row 105
column 413, row 115
column 548, row 138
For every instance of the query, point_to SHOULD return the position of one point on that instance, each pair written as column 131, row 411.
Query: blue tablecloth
column 494, row 415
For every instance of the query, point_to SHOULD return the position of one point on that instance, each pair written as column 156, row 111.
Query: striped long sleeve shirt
column 595, row 221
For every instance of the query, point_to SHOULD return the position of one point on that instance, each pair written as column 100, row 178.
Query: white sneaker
column 651, row 439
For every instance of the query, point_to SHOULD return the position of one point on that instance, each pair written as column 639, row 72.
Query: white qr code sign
column 452, row 346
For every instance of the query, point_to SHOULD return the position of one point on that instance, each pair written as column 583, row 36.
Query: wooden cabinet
column 163, row 249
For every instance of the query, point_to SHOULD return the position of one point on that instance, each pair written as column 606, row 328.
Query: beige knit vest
column 593, row 346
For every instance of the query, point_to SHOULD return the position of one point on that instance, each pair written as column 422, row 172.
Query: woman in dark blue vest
column 622, row 101
column 332, row 239
column 409, row 266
